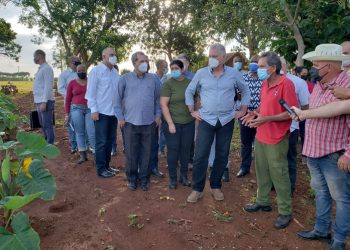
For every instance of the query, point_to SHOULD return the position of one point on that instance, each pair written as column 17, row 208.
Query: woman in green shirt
column 179, row 127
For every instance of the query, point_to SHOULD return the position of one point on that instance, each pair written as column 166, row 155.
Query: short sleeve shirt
column 176, row 91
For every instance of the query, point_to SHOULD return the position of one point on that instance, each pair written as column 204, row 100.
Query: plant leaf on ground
column 224, row 217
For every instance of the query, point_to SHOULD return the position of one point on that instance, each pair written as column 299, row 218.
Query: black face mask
column 82, row 75
column 304, row 78
column 315, row 74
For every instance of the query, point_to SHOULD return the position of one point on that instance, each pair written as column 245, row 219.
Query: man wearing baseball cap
column 327, row 149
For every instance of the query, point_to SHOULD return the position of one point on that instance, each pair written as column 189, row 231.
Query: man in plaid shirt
column 327, row 147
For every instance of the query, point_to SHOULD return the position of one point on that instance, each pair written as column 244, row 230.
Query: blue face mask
column 263, row 74
column 175, row 74
column 238, row 65
column 253, row 67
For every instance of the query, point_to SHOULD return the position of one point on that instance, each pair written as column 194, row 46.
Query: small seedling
column 223, row 217
column 133, row 222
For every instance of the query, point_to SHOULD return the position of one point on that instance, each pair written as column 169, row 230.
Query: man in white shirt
column 101, row 94
column 63, row 80
column 44, row 95
column 303, row 94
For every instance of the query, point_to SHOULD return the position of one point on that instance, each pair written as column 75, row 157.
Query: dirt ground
column 92, row 213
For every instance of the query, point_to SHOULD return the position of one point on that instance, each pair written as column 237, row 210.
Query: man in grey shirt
column 44, row 95
column 140, row 92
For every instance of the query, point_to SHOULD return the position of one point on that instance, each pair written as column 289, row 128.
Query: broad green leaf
column 24, row 236
column 31, row 141
column 41, row 181
column 8, row 145
column 50, row 151
column 5, row 169
column 17, row 202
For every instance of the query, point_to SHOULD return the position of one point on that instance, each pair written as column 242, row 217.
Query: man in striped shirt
column 328, row 150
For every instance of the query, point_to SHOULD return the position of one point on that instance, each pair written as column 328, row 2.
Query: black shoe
column 255, row 207
column 83, row 157
column 155, row 172
column 226, row 176
column 184, row 181
column 73, row 150
column 113, row 170
column 337, row 246
column 242, row 173
column 132, row 186
column 282, row 221
column 105, row 174
column 172, row 183
column 144, row 187
column 314, row 235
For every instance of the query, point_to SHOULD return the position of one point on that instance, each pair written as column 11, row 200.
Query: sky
column 11, row 15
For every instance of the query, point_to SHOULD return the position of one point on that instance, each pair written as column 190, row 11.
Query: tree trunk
column 292, row 24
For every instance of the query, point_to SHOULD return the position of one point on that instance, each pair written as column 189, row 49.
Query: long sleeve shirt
column 75, row 95
column 327, row 135
column 140, row 97
column 102, row 90
column 217, row 94
column 43, row 84
column 64, row 79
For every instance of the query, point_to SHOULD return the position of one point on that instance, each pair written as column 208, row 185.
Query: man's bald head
column 346, row 47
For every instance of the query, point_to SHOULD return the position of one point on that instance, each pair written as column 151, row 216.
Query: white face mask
column 112, row 60
column 213, row 62
column 143, row 67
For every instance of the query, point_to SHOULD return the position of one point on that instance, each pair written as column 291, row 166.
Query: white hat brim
column 311, row 56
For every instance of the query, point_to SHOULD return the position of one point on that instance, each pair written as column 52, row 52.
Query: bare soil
column 89, row 212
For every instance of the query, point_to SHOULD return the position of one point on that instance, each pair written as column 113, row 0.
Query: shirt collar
column 211, row 71
column 280, row 81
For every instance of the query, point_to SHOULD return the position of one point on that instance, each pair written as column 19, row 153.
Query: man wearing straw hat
column 327, row 149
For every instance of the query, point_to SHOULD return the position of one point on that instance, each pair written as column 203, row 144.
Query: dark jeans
column 138, row 142
column 247, row 140
column 153, row 161
column 205, row 137
column 302, row 133
column 46, row 121
column 162, row 141
column 292, row 158
column 105, row 130
column 179, row 145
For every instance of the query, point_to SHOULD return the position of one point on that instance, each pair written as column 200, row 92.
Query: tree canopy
column 8, row 47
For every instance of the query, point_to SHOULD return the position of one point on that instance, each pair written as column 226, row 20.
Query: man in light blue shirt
column 140, row 115
column 63, row 80
column 303, row 94
column 44, row 95
column 216, row 87
column 101, row 94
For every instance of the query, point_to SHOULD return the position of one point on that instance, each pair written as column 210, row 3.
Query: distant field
column 24, row 87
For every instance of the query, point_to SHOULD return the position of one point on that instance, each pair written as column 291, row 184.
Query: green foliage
column 7, row 45
column 8, row 119
column 23, row 237
column 17, row 202
column 84, row 27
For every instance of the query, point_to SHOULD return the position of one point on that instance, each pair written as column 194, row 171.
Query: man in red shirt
column 271, row 145
column 327, row 149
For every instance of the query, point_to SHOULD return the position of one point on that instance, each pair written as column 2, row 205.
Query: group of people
column 194, row 115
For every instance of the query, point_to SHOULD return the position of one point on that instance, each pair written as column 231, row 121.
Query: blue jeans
column 247, row 135
column 72, row 139
column 330, row 183
column 46, row 121
column 204, row 140
column 83, row 126
column 179, row 146
column 292, row 158
column 105, row 129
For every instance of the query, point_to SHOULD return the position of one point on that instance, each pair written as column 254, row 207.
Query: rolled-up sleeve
column 243, row 89
column 191, row 90
column 48, row 78
column 91, row 91
column 120, row 97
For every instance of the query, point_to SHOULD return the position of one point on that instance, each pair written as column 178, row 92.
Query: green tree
column 85, row 27
column 165, row 27
column 7, row 45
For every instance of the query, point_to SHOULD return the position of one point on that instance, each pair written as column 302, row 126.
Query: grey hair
column 104, row 52
column 159, row 63
column 219, row 47
column 135, row 55
column 40, row 53
column 272, row 60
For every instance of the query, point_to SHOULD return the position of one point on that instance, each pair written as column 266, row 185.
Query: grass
column 24, row 87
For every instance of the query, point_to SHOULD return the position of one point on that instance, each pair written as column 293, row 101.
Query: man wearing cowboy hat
column 328, row 150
